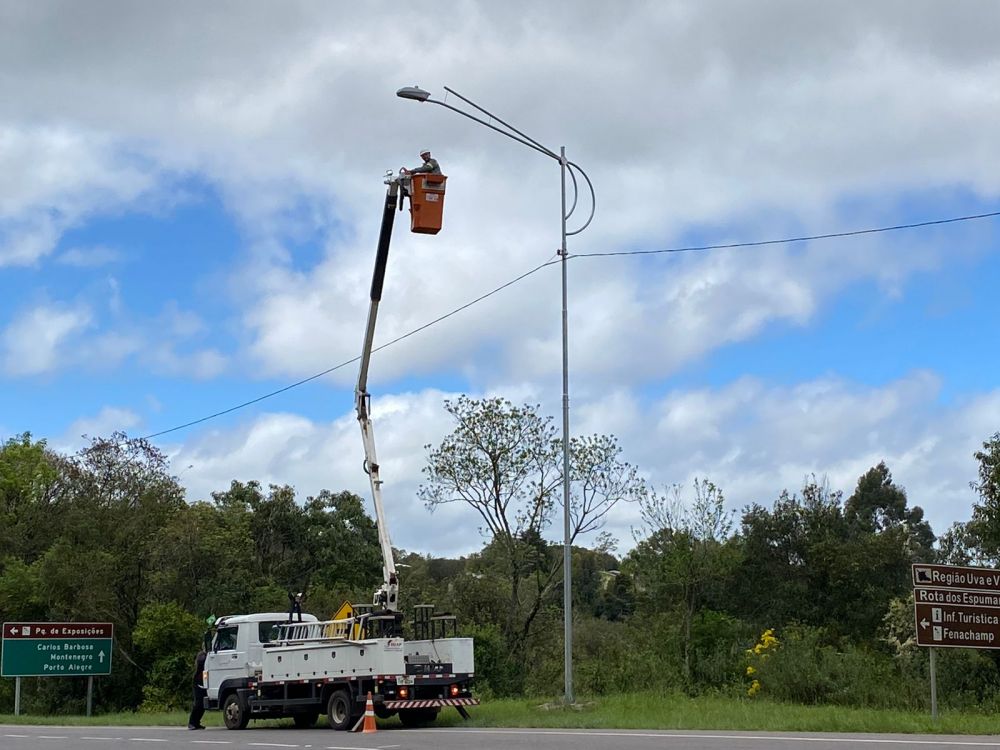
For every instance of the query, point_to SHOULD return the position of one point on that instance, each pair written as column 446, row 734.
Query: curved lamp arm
column 420, row 95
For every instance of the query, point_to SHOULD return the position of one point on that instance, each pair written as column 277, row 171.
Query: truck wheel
column 338, row 710
column 235, row 713
column 304, row 721
column 415, row 717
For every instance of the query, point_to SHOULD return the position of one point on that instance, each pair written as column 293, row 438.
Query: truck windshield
column 225, row 639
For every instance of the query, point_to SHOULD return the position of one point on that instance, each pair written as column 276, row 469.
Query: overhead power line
column 662, row 251
column 354, row 359
column 786, row 240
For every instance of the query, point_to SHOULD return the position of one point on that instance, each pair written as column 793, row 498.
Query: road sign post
column 933, row 684
column 56, row 649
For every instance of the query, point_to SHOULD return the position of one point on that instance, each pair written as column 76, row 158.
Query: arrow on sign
column 100, row 657
column 13, row 631
column 924, row 623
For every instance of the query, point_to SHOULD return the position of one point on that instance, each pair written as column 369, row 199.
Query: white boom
column 387, row 595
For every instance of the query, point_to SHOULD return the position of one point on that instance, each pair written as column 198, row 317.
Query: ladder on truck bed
column 358, row 628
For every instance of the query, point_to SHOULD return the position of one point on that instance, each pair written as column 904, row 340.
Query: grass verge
column 630, row 711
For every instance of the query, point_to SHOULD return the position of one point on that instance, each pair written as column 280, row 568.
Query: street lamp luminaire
column 418, row 94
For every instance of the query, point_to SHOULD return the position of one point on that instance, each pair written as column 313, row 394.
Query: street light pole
column 567, row 556
column 417, row 94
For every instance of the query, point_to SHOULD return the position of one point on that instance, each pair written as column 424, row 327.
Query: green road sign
column 56, row 649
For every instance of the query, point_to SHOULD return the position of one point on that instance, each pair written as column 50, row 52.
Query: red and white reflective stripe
column 433, row 703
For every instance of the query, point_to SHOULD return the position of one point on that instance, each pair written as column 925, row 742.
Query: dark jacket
column 199, row 668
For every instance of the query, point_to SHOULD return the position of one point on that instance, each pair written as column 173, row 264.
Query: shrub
column 167, row 638
column 808, row 669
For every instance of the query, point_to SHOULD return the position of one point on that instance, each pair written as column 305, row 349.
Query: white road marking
column 736, row 737
column 51, row 737
column 19, row 736
column 269, row 744
column 100, row 738
column 211, row 742
column 146, row 739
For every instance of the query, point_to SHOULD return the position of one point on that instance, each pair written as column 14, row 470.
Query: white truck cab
column 236, row 651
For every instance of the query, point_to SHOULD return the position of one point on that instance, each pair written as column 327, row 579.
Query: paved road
column 457, row 738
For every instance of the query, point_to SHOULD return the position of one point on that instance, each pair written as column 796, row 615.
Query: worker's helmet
column 424, row 151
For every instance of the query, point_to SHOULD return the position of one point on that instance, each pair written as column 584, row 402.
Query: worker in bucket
column 430, row 166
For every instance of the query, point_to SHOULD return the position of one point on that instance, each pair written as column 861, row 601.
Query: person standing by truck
column 198, row 707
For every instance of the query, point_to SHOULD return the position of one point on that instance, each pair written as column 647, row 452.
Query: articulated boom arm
column 387, row 595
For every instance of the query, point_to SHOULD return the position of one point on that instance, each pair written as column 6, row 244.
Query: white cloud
column 109, row 419
column 89, row 257
column 36, row 341
column 202, row 364
column 52, row 177
column 54, row 336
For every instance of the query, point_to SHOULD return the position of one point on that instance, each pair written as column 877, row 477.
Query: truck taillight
column 454, row 690
column 403, row 692
column 204, row 678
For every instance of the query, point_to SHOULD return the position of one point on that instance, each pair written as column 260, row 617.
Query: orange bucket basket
column 427, row 202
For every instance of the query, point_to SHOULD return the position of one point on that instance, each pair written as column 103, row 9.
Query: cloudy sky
column 190, row 197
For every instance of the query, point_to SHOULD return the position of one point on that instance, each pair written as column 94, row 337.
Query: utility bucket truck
column 274, row 665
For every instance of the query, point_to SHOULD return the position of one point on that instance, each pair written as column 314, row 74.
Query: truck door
column 226, row 660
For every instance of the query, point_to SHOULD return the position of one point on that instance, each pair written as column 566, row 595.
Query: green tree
column 502, row 461
column 505, row 462
column 959, row 546
column 29, row 519
column 683, row 559
column 204, row 560
column 815, row 560
column 879, row 506
column 785, row 571
column 340, row 545
column 985, row 523
column 599, row 480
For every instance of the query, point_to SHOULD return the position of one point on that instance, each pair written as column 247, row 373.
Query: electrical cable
column 786, row 240
column 354, row 359
column 523, row 276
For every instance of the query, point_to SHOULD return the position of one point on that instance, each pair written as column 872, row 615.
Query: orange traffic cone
column 369, row 720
